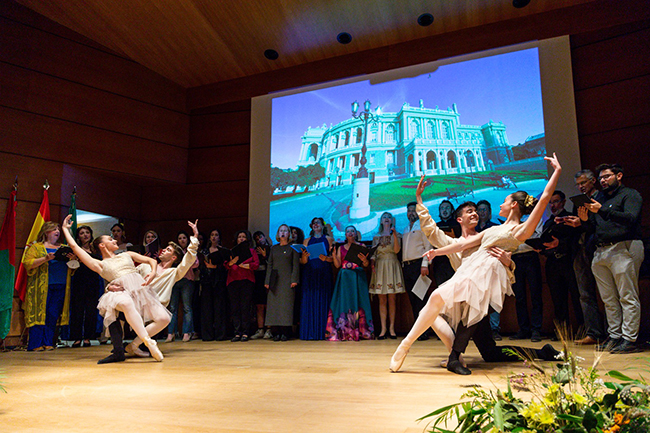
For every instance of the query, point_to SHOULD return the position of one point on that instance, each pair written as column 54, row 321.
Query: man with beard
column 615, row 217
column 414, row 245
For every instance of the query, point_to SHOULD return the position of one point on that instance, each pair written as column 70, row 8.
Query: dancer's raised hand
column 420, row 189
column 195, row 229
column 553, row 161
column 67, row 222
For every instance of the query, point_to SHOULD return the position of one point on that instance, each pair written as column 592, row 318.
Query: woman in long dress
column 350, row 317
column 481, row 281
column 387, row 280
column 316, row 284
column 282, row 276
column 137, row 301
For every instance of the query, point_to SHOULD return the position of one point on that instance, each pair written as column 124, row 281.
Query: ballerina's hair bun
column 526, row 202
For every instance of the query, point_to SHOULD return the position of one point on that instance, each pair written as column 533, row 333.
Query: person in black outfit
column 442, row 269
column 559, row 253
column 86, row 288
column 214, row 296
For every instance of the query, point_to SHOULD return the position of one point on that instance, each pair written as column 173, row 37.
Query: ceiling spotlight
column 344, row 38
column 271, row 54
column 520, row 3
column 425, row 20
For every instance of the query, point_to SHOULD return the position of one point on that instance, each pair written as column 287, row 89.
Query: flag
column 7, row 264
column 42, row 216
column 72, row 210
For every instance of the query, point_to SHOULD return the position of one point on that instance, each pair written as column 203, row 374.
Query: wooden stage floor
column 257, row 386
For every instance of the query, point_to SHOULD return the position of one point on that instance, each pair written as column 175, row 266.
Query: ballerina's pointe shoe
column 398, row 359
column 133, row 350
column 153, row 349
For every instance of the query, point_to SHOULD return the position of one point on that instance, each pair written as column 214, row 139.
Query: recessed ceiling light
column 271, row 54
column 344, row 38
column 425, row 20
column 520, row 3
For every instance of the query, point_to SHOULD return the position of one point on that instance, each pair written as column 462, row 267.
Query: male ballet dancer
column 162, row 284
column 481, row 332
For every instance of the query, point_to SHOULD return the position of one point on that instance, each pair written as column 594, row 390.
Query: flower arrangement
column 568, row 399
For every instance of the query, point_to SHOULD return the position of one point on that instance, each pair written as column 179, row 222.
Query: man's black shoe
column 521, row 335
column 113, row 357
column 626, row 346
column 496, row 336
column 423, row 337
column 548, row 353
column 608, row 344
column 536, row 337
column 458, row 368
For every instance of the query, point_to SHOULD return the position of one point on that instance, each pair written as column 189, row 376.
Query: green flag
column 72, row 210
column 7, row 264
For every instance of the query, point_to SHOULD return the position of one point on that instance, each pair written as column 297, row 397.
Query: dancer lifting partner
column 138, row 301
column 481, row 281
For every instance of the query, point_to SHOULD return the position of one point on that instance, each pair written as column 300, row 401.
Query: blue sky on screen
column 503, row 88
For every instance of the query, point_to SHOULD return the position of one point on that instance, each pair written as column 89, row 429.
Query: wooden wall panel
column 40, row 93
column 206, row 200
column 220, row 129
column 609, row 63
column 221, row 163
column 44, row 137
column 617, row 105
column 27, row 46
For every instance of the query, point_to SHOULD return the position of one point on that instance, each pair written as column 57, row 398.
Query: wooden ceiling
column 198, row 42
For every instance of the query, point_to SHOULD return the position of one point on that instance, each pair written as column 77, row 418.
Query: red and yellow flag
column 7, row 264
column 42, row 216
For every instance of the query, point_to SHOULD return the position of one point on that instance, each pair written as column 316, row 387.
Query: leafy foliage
column 568, row 399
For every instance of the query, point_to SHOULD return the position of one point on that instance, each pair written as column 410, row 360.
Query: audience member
column 316, row 284
column 263, row 248
column 442, row 269
column 48, row 288
column 386, row 281
column 85, row 292
column 415, row 244
column 282, row 276
column 615, row 215
column 559, row 263
column 214, row 298
column 241, row 284
column 118, row 233
column 594, row 321
column 350, row 317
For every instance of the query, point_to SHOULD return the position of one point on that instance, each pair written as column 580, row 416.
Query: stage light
column 425, row 20
column 271, row 54
column 344, row 38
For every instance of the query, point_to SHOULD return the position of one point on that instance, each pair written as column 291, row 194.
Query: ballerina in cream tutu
column 135, row 298
column 481, row 281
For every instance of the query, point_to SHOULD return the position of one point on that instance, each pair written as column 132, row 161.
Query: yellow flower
column 578, row 398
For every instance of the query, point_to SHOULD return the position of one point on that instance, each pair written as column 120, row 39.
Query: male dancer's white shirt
column 165, row 279
column 415, row 244
column 439, row 239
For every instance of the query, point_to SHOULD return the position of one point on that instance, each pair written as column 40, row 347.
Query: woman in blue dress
column 316, row 284
column 350, row 317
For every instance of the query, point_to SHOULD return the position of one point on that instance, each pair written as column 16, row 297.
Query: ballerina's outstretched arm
column 93, row 264
column 460, row 245
column 528, row 227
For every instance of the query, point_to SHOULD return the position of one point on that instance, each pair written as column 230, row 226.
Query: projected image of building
column 412, row 142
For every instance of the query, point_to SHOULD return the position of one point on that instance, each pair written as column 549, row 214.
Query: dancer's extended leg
column 426, row 319
column 160, row 320
column 135, row 320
